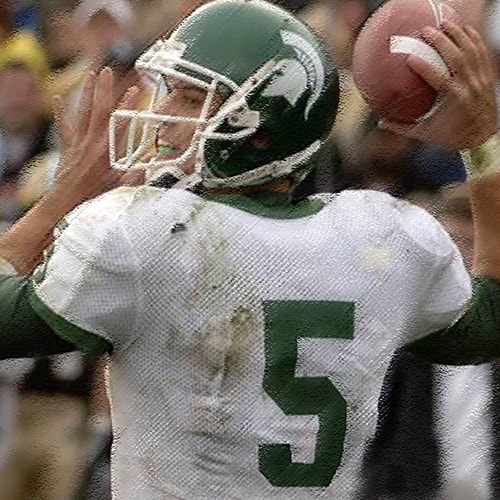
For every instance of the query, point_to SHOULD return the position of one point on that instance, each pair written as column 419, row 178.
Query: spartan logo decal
column 297, row 75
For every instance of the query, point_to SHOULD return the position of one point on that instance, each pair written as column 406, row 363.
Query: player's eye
column 165, row 86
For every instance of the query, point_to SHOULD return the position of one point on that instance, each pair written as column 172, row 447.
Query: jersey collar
column 270, row 204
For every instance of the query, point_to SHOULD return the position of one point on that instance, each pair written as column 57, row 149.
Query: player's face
column 182, row 100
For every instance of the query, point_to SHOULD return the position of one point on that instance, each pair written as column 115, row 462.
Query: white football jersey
column 248, row 350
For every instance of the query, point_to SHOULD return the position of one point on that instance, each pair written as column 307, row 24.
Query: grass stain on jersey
column 197, row 210
column 242, row 329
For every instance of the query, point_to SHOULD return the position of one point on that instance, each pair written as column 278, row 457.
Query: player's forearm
column 485, row 201
column 487, row 237
column 23, row 244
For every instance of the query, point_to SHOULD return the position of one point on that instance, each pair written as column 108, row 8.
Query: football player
column 249, row 336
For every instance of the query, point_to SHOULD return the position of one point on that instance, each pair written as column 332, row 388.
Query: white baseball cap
column 120, row 10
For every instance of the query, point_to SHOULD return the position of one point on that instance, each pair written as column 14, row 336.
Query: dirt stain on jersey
column 224, row 342
column 242, row 328
column 222, row 352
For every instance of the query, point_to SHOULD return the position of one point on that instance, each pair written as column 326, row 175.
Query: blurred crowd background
column 439, row 432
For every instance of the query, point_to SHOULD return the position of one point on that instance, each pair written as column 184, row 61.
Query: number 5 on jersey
column 286, row 322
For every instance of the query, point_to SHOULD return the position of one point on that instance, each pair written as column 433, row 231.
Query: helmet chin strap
column 168, row 179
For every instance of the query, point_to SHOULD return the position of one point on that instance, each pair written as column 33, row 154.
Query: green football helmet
column 279, row 90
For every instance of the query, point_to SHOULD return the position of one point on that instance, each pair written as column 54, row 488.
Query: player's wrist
column 483, row 159
column 60, row 201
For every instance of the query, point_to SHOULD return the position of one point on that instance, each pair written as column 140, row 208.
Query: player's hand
column 84, row 170
column 467, row 115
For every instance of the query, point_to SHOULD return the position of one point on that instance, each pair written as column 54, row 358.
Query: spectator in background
column 24, row 131
column 11, row 373
column 108, row 26
column 26, row 15
column 70, row 59
column 63, row 37
column 81, row 40
column 20, row 46
column 23, row 123
column 336, row 22
column 51, row 434
column 158, row 17
column 399, row 165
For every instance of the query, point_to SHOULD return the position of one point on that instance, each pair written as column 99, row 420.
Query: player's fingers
column 97, row 159
column 66, row 130
column 85, row 104
column 130, row 98
column 102, row 104
column 478, row 41
column 465, row 44
column 451, row 54
column 128, row 101
column 485, row 55
column 458, row 35
column 438, row 78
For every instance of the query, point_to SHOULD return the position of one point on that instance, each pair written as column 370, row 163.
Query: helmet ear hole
column 261, row 140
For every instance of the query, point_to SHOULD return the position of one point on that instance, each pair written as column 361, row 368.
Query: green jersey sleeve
column 23, row 333
column 474, row 338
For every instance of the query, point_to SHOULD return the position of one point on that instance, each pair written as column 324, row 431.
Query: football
column 388, row 84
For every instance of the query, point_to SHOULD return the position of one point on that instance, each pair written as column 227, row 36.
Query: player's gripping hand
column 84, row 170
column 467, row 116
